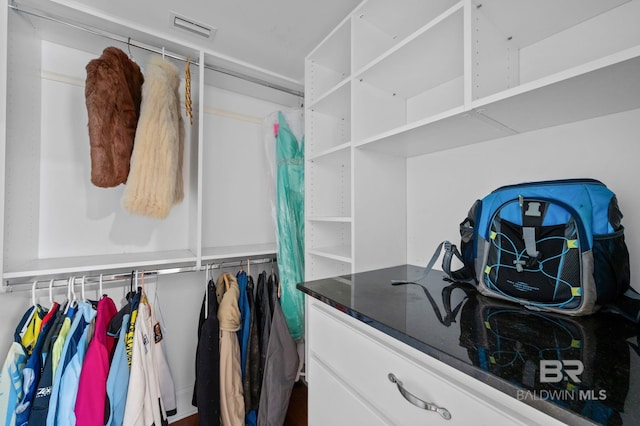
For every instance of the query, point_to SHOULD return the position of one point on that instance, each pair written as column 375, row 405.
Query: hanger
column 100, row 286
column 248, row 267
column 82, row 281
column 206, row 291
column 162, row 52
column 129, row 48
column 72, row 299
column 226, row 281
column 33, row 294
column 51, row 292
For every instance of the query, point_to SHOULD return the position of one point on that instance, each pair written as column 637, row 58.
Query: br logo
column 554, row 371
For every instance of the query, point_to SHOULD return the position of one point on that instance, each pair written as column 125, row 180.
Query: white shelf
column 421, row 76
column 427, row 58
column 338, row 219
column 605, row 86
column 335, row 101
column 380, row 24
column 336, row 150
column 230, row 252
column 330, row 62
column 89, row 264
column 339, row 253
column 518, row 42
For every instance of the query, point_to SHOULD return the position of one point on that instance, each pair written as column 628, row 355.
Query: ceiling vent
column 192, row 25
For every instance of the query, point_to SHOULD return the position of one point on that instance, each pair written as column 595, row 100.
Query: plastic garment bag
column 290, row 223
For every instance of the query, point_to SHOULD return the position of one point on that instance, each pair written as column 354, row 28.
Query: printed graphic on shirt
column 129, row 338
column 157, row 332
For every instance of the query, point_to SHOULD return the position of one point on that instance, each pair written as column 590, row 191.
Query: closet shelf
column 334, row 102
column 328, row 152
column 419, row 55
column 240, row 252
column 86, row 265
column 602, row 87
column 340, row 253
column 338, row 219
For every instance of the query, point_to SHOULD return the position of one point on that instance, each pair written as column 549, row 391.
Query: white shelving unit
column 428, row 77
column 56, row 223
column 449, row 100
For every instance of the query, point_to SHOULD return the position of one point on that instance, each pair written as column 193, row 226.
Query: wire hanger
column 206, row 292
column 51, row 292
column 129, row 48
column 82, row 281
column 33, row 293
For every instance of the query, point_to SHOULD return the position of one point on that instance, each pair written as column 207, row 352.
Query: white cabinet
column 395, row 86
column 350, row 367
column 55, row 221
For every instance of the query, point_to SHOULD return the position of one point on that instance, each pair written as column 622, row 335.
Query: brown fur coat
column 113, row 92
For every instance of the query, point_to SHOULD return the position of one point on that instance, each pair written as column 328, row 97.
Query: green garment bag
column 290, row 223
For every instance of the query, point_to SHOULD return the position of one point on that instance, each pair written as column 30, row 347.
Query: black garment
column 252, row 381
column 263, row 310
column 206, row 391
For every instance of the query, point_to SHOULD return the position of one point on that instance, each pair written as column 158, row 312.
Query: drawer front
column 331, row 402
column 365, row 363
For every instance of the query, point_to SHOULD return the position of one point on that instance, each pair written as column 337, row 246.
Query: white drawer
column 356, row 354
column 341, row 407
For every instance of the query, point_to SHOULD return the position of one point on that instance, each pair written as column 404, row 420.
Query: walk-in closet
column 206, row 207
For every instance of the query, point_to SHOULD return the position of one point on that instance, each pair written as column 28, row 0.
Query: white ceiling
column 274, row 35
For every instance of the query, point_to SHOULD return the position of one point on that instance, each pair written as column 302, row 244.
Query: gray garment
column 281, row 367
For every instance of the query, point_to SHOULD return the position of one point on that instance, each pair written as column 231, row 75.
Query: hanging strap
column 450, row 250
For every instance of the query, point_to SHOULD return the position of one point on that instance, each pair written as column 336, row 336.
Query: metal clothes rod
column 129, row 42
column 126, row 276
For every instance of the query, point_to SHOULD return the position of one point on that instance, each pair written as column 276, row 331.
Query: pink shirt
column 92, row 388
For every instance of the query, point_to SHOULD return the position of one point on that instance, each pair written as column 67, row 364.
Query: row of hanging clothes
column 246, row 358
column 87, row 362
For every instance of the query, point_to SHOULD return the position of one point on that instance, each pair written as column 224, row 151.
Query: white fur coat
column 155, row 178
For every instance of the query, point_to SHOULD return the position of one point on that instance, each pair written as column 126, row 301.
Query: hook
column 206, row 292
column 51, row 292
column 33, row 293
column 73, row 289
column 129, row 48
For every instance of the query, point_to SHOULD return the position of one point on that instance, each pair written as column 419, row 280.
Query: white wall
column 441, row 187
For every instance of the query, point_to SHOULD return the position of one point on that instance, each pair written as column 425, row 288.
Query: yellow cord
column 187, row 92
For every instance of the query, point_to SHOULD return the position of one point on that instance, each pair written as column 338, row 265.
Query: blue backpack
column 554, row 246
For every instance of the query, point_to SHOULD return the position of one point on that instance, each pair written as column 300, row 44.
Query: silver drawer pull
column 417, row 401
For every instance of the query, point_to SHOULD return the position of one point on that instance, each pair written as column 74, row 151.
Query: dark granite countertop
column 501, row 344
